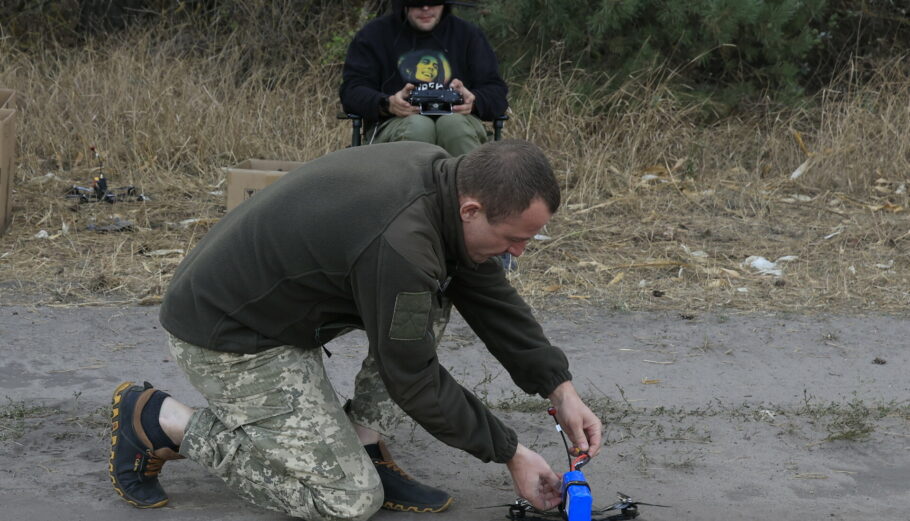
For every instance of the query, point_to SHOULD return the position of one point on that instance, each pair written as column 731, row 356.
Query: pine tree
column 747, row 46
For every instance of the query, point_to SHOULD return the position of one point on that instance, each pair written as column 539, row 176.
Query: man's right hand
column 398, row 103
column 533, row 478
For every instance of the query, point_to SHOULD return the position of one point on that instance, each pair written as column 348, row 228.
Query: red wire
column 578, row 459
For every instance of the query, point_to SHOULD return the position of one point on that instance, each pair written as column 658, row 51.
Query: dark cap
column 421, row 3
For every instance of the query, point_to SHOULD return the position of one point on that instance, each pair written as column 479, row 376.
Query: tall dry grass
column 862, row 135
column 664, row 206
column 158, row 113
column 662, row 203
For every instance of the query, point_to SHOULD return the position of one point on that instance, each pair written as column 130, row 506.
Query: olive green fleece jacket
column 367, row 237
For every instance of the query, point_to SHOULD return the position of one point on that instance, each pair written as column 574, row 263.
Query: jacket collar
column 446, row 171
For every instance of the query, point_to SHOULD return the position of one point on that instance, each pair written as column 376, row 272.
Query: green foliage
column 725, row 51
column 719, row 51
column 69, row 22
column 274, row 32
column 738, row 47
column 865, row 30
column 335, row 49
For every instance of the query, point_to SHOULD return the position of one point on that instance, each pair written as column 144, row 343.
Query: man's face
column 426, row 17
column 510, row 235
column 427, row 69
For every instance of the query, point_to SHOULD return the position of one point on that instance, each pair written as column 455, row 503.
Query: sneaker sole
column 389, row 505
column 115, row 426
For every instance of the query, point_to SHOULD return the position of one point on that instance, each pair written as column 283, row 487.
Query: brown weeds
column 661, row 208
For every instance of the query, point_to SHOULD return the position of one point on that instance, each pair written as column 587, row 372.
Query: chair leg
column 356, row 139
column 497, row 130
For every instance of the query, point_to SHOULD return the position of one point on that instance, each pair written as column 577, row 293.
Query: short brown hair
column 505, row 176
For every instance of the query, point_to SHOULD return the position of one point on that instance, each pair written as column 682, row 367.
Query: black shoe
column 405, row 494
column 133, row 464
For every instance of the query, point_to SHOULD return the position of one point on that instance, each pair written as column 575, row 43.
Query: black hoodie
column 454, row 48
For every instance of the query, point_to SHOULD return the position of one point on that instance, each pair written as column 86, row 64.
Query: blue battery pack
column 576, row 496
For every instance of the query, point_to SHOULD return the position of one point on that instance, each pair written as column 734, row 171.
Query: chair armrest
column 356, row 126
column 498, row 122
column 345, row 115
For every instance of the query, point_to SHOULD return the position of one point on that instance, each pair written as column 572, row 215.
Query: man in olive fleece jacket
column 384, row 238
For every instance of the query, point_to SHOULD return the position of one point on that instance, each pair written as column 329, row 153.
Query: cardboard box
column 7, row 165
column 252, row 175
column 7, row 99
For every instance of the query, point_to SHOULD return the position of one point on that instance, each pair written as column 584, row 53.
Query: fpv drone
column 577, row 501
column 627, row 507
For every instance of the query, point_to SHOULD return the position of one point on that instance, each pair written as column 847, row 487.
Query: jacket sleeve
column 361, row 78
column 504, row 322
column 484, row 79
column 398, row 303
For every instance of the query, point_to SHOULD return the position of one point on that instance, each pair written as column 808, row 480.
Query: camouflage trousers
column 276, row 433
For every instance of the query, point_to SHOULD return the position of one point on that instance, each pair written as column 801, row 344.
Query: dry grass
column 661, row 208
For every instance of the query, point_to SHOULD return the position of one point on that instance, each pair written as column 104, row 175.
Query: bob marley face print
column 427, row 69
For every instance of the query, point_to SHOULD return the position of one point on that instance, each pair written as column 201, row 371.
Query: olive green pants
column 457, row 133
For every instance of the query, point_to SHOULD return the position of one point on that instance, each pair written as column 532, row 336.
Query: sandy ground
column 720, row 416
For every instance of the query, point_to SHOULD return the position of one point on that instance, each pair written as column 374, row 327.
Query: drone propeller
column 627, row 503
column 521, row 509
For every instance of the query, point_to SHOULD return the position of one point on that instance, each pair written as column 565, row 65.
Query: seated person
column 421, row 45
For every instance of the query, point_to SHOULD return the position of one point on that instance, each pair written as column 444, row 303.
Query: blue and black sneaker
column 402, row 492
column 134, row 464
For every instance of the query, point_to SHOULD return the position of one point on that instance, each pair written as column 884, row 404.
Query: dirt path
column 720, row 416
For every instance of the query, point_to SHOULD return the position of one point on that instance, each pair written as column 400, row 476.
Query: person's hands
column 467, row 96
column 581, row 425
column 398, row 103
column 533, row 478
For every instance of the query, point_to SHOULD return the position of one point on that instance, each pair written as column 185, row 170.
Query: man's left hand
column 581, row 425
column 468, row 105
column 533, row 478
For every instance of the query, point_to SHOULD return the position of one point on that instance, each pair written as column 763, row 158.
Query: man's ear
column 470, row 209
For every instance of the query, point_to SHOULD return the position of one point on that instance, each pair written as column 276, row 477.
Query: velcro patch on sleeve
column 411, row 315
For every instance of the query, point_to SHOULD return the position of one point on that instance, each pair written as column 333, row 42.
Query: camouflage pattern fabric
column 371, row 406
column 275, row 432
